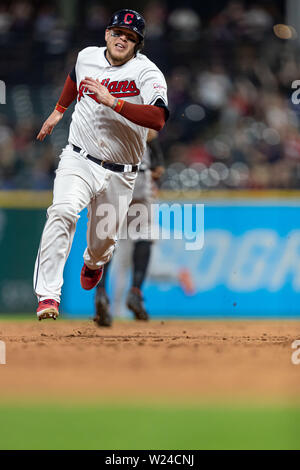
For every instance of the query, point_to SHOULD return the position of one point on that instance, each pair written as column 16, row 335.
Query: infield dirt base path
column 171, row 360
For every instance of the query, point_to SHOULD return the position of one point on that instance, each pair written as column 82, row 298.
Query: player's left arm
column 146, row 115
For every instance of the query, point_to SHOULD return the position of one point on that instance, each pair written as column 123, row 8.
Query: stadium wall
column 249, row 265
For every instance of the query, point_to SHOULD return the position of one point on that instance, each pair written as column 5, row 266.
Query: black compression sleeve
column 156, row 154
column 73, row 74
column 160, row 104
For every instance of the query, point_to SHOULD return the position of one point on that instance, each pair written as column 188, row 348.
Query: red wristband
column 60, row 108
column 119, row 106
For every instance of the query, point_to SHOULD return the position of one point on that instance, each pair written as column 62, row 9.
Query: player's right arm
column 67, row 96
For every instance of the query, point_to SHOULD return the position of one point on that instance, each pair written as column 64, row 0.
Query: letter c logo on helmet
column 128, row 15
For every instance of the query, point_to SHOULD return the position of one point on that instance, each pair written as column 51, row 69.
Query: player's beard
column 119, row 59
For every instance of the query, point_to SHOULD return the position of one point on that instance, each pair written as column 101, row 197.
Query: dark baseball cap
column 129, row 19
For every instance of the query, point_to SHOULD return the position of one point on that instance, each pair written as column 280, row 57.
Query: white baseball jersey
column 98, row 129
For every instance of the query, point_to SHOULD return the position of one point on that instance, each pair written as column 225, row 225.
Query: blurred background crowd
column 229, row 69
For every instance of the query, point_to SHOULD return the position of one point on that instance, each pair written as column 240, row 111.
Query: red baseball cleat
column 89, row 278
column 47, row 309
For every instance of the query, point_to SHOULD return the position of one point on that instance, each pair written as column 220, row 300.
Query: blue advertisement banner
column 249, row 266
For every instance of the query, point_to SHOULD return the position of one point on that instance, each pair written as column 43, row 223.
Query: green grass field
column 149, row 427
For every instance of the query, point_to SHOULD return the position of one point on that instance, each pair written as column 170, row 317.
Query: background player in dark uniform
column 152, row 167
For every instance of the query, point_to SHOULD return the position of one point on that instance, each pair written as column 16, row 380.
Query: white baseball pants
column 80, row 183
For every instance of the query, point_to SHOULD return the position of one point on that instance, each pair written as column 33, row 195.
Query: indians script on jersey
column 116, row 88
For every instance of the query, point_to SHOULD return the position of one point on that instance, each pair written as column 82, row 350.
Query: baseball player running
column 120, row 95
column 151, row 170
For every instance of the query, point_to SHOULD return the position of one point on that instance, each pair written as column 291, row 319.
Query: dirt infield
column 171, row 359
